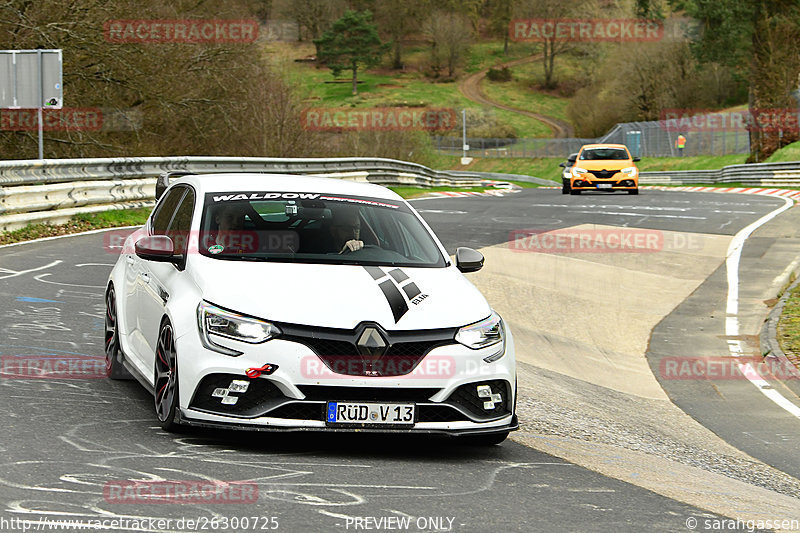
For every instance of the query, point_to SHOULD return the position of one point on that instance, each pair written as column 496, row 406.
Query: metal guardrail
column 54, row 190
column 754, row 174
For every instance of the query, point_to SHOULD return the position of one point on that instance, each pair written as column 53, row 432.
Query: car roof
column 622, row 146
column 249, row 181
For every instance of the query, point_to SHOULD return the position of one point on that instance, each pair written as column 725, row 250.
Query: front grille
column 440, row 413
column 466, row 397
column 604, row 174
column 337, row 348
column 261, row 395
column 299, row 411
column 366, row 394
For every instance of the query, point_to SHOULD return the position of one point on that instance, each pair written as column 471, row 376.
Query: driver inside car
column 230, row 223
column 346, row 230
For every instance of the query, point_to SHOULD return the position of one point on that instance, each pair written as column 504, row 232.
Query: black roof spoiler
column 163, row 180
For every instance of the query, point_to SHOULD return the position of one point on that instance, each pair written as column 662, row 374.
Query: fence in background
column 757, row 174
column 652, row 139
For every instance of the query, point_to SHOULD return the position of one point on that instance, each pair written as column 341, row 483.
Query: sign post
column 31, row 79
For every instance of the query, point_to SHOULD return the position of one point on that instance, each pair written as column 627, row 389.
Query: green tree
column 752, row 36
column 397, row 19
column 499, row 14
column 351, row 42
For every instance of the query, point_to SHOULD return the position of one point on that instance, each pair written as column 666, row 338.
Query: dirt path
column 471, row 88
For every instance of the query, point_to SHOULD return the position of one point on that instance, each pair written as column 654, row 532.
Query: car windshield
column 604, row 154
column 314, row 228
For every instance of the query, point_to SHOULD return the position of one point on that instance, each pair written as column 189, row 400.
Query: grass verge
column 789, row 327
column 79, row 223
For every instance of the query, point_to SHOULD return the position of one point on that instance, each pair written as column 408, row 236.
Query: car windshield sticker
column 238, row 197
column 216, row 249
column 389, row 283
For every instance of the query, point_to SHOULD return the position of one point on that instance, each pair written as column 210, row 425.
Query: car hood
column 604, row 164
column 342, row 296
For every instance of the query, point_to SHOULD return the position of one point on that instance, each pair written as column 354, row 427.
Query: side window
column 178, row 229
column 165, row 210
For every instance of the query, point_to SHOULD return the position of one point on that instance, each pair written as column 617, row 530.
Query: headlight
column 577, row 171
column 214, row 321
column 487, row 332
column 631, row 171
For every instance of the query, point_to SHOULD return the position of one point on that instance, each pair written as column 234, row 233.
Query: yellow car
column 604, row 167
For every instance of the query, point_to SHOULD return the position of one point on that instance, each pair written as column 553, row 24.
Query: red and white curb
column 502, row 188
column 785, row 193
column 457, row 194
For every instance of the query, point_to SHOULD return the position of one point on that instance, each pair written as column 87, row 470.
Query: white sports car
column 276, row 302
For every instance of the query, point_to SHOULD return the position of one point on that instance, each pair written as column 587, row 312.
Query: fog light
column 238, row 386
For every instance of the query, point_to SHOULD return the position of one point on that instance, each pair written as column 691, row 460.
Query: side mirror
column 637, row 159
column 468, row 260
column 157, row 248
column 563, row 165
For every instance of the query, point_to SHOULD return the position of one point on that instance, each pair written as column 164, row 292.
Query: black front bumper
column 512, row 426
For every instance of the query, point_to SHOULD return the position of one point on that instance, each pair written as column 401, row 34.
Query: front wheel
column 565, row 188
column 166, row 378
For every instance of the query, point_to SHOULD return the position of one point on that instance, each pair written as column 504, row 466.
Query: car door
column 135, row 301
column 158, row 279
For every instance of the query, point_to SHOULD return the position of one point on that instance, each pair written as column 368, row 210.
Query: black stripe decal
column 398, row 275
column 375, row 272
column 411, row 290
column 395, row 299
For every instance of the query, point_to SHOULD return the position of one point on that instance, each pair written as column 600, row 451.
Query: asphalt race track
column 65, row 440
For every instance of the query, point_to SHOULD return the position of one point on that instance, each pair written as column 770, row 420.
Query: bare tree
column 188, row 95
column 450, row 35
column 552, row 45
column 315, row 16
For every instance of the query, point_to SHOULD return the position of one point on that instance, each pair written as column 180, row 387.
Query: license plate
column 603, row 185
column 370, row 413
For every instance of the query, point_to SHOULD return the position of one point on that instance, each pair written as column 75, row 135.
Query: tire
column 490, row 439
column 634, row 192
column 166, row 379
column 114, row 367
column 574, row 192
column 565, row 187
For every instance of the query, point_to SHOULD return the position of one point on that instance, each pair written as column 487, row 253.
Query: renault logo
column 371, row 343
